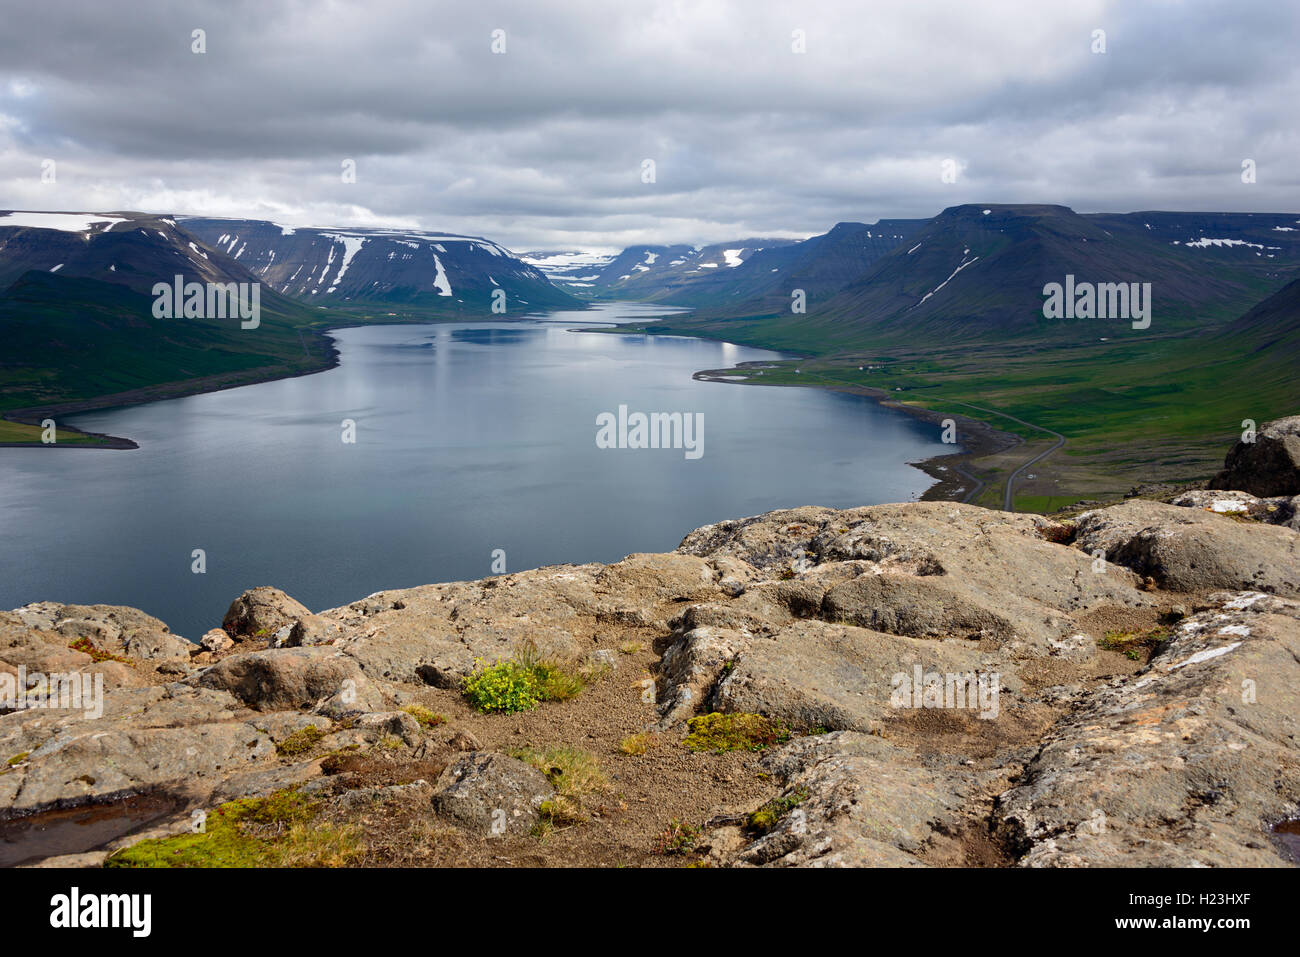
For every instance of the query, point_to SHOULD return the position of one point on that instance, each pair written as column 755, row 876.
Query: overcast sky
column 542, row 147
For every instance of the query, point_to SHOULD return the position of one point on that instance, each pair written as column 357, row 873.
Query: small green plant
column 301, row 741
column 523, row 682
column 426, row 717
column 771, row 813
column 677, row 838
column 85, row 646
column 629, row 647
column 733, row 732
column 505, row 687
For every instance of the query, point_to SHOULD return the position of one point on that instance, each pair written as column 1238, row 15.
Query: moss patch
column 774, row 811
column 275, row 831
column 301, row 741
column 733, row 732
column 1135, row 645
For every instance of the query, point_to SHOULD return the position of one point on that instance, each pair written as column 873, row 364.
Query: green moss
column 301, row 741
column 424, row 716
column 771, row 813
column 1135, row 644
column 275, row 831
column 733, row 732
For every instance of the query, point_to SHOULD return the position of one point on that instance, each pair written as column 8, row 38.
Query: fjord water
column 469, row 438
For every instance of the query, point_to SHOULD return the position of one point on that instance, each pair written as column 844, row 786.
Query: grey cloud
column 541, row 147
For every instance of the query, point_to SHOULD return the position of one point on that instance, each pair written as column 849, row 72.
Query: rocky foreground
column 1134, row 699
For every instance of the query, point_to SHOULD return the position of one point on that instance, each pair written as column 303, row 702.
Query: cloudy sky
column 542, row 146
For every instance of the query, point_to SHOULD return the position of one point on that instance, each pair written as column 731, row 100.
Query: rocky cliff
column 898, row 685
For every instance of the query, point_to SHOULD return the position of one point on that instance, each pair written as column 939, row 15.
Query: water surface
column 470, row 437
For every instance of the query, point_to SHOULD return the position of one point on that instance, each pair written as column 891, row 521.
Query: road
column 1008, row 495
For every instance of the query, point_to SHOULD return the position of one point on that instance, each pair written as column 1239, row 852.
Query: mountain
column 978, row 272
column 574, row 270
column 128, row 249
column 77, row 315
column 652, row 273
column 439, row 272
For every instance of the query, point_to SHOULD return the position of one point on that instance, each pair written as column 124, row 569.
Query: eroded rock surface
column 1126, row 687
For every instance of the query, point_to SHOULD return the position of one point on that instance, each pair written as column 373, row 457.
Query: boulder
column 837, row 677
column 260, row 612
column 1185, row 549
column 1270, row 465
column 216, row 641
column 284, row 678
column 491, row 794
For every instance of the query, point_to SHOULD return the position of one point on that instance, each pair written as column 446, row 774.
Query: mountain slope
column 77, row 315
column 439, row 272
column 978, row 273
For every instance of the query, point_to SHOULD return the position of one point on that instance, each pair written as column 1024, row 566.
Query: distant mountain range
column 441, row 271
column 76, row 287
column 978, row 272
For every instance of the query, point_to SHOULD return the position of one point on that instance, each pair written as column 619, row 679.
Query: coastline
column 32, row 415
column 954, row 481
column 951, row 474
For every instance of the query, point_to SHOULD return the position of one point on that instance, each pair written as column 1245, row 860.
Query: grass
column 636, row 744
column 275, row 831
column 426, row 717
column 576, row 775
column 718, row 732
column 31, row 434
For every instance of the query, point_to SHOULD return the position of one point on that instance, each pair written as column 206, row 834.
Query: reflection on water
column 469, row 438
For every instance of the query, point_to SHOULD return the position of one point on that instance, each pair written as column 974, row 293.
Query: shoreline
column 31, row 415
column 953, row 480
